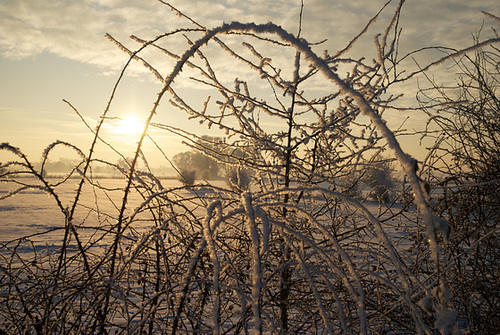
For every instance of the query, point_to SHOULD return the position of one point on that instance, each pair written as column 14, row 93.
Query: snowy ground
column 33, row 212
column 32, row 225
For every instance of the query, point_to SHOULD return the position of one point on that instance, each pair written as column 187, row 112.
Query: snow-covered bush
column 293, row 253
column 466, row 166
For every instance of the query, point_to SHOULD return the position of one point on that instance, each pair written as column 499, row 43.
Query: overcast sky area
column 55, row 49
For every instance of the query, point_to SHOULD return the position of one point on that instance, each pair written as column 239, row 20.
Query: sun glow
column 130, row 125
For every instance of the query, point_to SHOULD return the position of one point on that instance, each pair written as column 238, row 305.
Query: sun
column 130, row 125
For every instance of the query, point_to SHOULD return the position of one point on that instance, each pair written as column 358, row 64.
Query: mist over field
column 311, row 193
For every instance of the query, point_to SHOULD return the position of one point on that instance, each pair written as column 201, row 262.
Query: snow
column 34, row 227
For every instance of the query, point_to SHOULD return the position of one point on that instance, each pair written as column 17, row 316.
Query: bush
column 187, row 177
column 467, row 167
column 292, row 255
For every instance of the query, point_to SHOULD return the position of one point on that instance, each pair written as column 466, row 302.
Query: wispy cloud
column 75, row 29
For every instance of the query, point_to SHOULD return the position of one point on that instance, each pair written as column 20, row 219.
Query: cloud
column 75, row 29
column 72, row 29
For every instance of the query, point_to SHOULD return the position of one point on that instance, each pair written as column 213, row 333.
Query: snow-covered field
column 32, row 220
column 32, row 232
column 35, row 214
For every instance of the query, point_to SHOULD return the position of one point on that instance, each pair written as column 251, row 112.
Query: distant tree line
column 65, row 165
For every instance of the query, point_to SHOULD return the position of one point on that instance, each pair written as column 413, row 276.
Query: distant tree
column 123, row 164
column 202, row 158
column 62, row 165
column 204, row 166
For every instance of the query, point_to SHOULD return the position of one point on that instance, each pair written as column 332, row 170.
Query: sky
column 56, row 49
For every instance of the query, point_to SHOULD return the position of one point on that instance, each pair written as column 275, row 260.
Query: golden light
column 130, row 125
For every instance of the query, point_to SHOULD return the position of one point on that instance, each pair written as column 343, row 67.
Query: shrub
column 291, row 255
column 187, row 177
column 467, row 167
